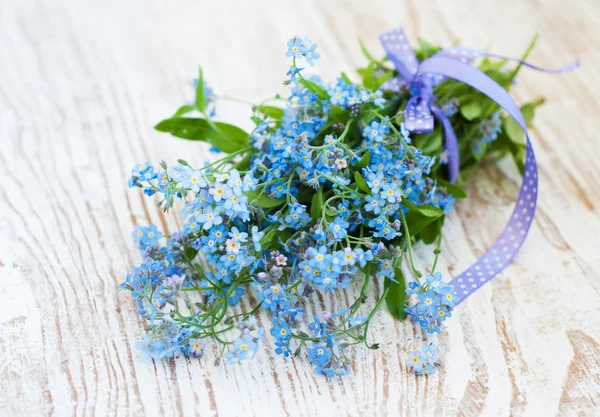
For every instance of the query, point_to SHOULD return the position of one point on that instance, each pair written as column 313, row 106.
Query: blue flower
column 146, row 236
column 194, row 180
column 443, row 157
column 282, row 348
column 292, row 72
column 450, row 107
column 423, row 360
column 319, row 355
column 490, row 128
column 151, row 348
column 449, row 296
column 357, row 320
column 376, row 131
column 196, row 347
column 374, row 203
column 256, row 237
column 375, row 180
column 311, row 54
column 295, row 47
column 338, row 228
column 333, row 371
column 210, row 217
column 242, row 347
column 281, row 331
column 435, row 282
column 363, row 256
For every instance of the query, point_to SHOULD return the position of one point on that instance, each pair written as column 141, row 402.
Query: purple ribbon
column 421, row 107
column 421, row 77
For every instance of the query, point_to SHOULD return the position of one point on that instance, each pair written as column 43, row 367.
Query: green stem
column 408, row 240
column 437, row 252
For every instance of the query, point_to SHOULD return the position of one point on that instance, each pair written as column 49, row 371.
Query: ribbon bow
column 420, row 78
column 421, row 107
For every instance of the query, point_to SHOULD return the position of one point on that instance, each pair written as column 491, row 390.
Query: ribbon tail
column 451, row 144
column 512, row 237
column 568, row 67
column 418, row 118
column 399, row 51
column 466, row 55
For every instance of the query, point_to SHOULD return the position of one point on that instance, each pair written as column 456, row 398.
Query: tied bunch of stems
column 328, row 193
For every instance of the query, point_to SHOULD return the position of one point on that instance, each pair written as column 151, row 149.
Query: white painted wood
column 83, row 82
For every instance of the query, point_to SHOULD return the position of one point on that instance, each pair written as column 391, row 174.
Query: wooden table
column 83, row 82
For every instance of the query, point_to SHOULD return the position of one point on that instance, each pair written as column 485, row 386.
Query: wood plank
column 82, row 85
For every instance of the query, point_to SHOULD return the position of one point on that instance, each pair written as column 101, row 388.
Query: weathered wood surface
column 81, row 85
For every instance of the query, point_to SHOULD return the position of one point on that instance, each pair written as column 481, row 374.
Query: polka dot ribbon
column 454, row 63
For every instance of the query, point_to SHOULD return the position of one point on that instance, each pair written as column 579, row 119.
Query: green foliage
column 228, row 138
column 346, row 79
column 425, row 50
column 264, row 201
column 270, row 111
column 183, row 110
column 364, row 161
column 316, row 205
column 396, row 295
column 471, row 110
column 419, row 217
column 430, row 233
column 315, row 89
column 453, row 189
column 200, row 94
column 360, row 181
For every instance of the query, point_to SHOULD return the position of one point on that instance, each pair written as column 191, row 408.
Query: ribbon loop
column 420, row 109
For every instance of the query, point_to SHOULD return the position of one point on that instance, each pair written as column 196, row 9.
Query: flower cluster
column 423, row 360
column 303, row 48
column 436, row 300
column 327, row 189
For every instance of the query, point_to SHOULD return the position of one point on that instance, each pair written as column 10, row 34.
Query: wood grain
column 83, row 82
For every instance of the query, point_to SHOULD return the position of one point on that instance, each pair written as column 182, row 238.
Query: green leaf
column 315, row 89
column 488, row 65
column 430, row 233
column 432, row 142
column 364, row 161
column 346, row 79
column 368, row 75
column 200, row 95
column 396, row 296
column 190, row 253
column 271, row 111
column 316, row 205
column 183, row 110
column 513, row 130
column 338, row 115
column 268, row 237
column 382, row 79
column 453, row 189
column 528, row 109
column 471, row 110
column 228, row 138
column 272, row 236
column 360, row 181
column 425, row 49
column 263, row 200
column 365, row 51
column 244, row 164
column 420, row 216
